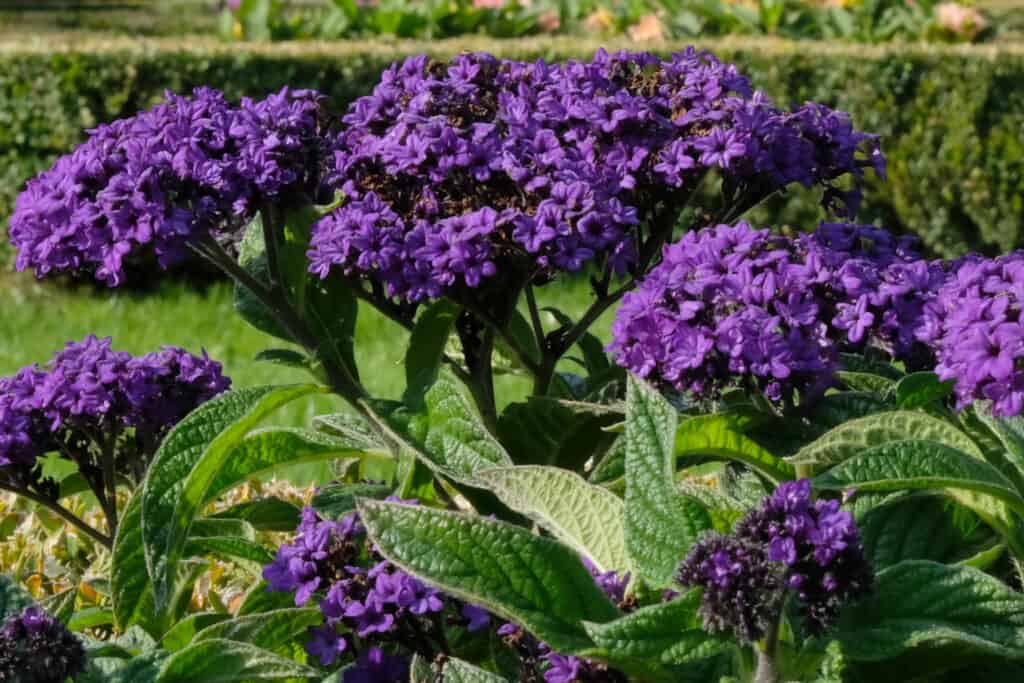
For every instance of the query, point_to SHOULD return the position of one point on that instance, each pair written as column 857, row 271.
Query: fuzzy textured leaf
column 228, row 661
column 661, row 523
column 651, row 642
column 585, row 517
column 267, row 630
column 919, row 602
column 187, row 464
column 855, row 436
column 534, row 581
column 718, row 436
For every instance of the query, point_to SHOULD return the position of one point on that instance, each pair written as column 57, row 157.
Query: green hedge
column 952, row 118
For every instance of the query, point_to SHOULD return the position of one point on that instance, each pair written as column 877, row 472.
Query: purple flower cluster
column 89, row 397
column 36, row 648
column 974, row 325
column 183, row 169
column 449, row 168
column 372, row 610
column 790, row 546
column 732, row 304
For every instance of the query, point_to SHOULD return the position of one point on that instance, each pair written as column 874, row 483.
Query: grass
column 36, row 319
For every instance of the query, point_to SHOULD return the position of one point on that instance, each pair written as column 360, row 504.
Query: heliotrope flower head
column 790, row 546
column 731, row 305
column 89, row 392
column 188, row 167
column 452, row 169
column 36, row 648
column 369, row 606
column 974, row 326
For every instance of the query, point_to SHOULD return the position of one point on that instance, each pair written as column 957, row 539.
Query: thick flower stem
column 65, row 514
column 109, row 499
column 767, row 671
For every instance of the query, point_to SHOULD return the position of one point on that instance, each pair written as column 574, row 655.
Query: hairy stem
column 65, row 514
column 767, row 671
column 109, row 499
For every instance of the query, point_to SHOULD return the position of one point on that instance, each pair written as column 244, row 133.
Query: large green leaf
column 335, row 500
column 926, row 603
column 264, row 514
column 917, row 527
column 661, row 523
column 425, row 354
column 267, row 449
column 227, row 661
column 182, row 633
column 1009, row 431
column 833, row 410
column 918, row 464
column 919, row 389
column 187, row 464
column 268, row 629
column 913, row 465
column 253, row 554
column 855, row 436
column 585, row 517
column 531, row 580
column 547, row 431
column 448, row 436
column 718, row 436
column 450, row 670
column 131, row 592
column 654, row 641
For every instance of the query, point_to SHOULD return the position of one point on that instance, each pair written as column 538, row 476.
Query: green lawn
column 37, row 318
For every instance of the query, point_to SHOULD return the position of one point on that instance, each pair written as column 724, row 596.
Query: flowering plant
column 734, row 505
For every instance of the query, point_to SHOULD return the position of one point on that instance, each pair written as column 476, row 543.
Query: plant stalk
column 65, row 514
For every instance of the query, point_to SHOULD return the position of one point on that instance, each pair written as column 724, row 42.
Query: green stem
column 109, row 500
column 538, row 328
column 482, row 384
column 65, row 514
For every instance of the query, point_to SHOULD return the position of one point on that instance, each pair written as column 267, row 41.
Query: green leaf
column 855, row 436
column 448, row 437
column 13, row 598
column 717, row 436
column 186, row 466
column 546, row 431
column 252, row 257
column 212, row 526
column 259, row 599
column 131, row 592
column 264, row 450
column 60, row 606
column 265, row 514
column 286, row 357
column 918, row 464
column 450, row 670
column 918, row 389
column 335, row 500
column 653, row 641
column 585, row 517
column 89, row 617
column 1009, row 432
column 911, row 465
column 866, row 382
column 916, row 527
column 182, row 633
column 225, row 661
column 425, row 354
column 833, row 410
column 267, row 630
column 142, row 669
column 613, row 465
column 231, row 547
column 920, row 603
column 533, row 581
column 661, row 523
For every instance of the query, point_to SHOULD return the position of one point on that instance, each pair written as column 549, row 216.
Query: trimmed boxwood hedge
column 952, row 118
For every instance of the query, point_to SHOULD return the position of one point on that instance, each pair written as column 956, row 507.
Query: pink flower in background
column 488, row 4
column 233, row 5
column 965, row 22
column 647, row 28
column 549, row 22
